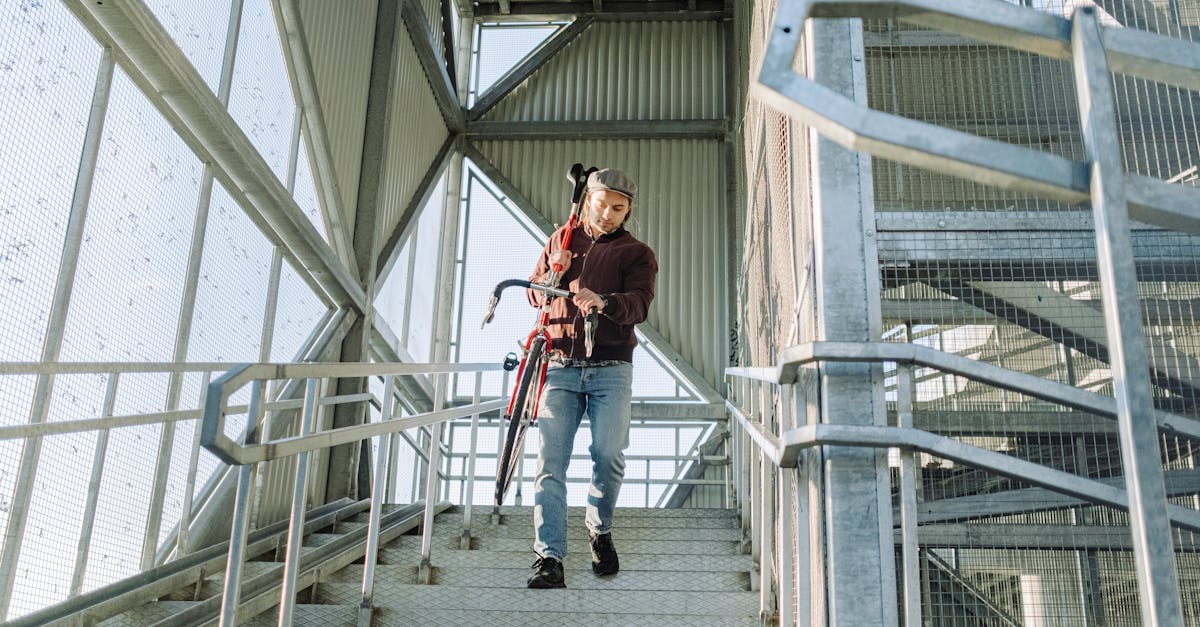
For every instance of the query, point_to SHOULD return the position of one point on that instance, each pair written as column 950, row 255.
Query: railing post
column 424, row 571
column 495, row 518
column 89, row 510
column 785, row 547
column 469, row 489
column 231, row 595
column 371, row 557
column 908, row 502
column 291, row 565
column 1153, row 544
column 189, row 484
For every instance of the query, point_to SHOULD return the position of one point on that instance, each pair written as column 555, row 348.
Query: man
column 606, row 268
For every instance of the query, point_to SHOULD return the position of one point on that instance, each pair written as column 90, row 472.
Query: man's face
column 606, row 210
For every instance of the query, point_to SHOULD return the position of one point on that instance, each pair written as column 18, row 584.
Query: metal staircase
column 678, row 567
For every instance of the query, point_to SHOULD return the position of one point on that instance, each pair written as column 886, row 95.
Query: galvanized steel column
column 345, row 473
column 856, row 512
column 1153, row 545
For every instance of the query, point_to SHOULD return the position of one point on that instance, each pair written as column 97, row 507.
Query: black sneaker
column 549, row 574
column 604, row 555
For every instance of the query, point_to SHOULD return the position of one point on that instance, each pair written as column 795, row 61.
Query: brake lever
column 589, row 330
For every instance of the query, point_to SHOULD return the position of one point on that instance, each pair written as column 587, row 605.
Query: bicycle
column 531, row 373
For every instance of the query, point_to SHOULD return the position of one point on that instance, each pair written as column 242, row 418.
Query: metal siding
column 680, row 213
column 627, row 71
column 433, row 14
column 340, row 36
column 416, row 133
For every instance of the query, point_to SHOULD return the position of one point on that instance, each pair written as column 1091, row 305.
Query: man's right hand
column 560, row 257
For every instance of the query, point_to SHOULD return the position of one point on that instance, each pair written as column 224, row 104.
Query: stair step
column 624, row 547
column 320, row 539
column 215, row 583
column 581, row 560
column 578, row 574
column 146, row 614
column 577, row 531
column 625, row 516
column 310, row 616
column 386, row 617
column 714, row 606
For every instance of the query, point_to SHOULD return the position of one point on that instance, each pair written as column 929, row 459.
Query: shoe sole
column 547, row 585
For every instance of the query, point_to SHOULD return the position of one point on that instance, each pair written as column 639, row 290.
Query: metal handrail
column 254, row 449
column 784, row 449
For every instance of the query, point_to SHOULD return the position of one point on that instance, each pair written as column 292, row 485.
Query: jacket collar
column 607, row 237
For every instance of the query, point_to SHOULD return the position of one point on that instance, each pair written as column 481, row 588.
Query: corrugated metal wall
column 641, row 71
column 627, row 71
column 340, row 36
column 680, row 213
column 417, row 132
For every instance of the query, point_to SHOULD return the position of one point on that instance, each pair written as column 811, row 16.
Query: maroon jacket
column 618, row 267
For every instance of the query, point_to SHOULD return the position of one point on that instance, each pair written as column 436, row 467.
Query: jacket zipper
column 581, row 271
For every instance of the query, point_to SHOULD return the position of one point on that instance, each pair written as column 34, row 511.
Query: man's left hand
column 585, row 299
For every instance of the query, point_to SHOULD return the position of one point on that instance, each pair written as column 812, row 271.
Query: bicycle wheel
column 518, row 423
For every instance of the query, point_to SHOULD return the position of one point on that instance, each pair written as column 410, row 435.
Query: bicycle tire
column 518, row 423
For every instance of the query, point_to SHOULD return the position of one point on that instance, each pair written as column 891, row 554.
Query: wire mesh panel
column 48, row 67
column 199, row 30
column 299, row 312
column 124, row 491
column 261, row 101
column 232, row 293
column 306, row 190
column 1020, row 290
column 129, row 281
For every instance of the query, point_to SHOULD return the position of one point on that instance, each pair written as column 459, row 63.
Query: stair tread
column 579, row 510
column 578, row 574
column 569, row 600
column 147, row 613
column 623, row 516
column 661, row 547
column 581, row 560
column 579, row 532
column 310, row 615
column 522, row 618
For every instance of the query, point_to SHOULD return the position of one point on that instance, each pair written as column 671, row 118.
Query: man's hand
column 561, row 257
column 585, row 299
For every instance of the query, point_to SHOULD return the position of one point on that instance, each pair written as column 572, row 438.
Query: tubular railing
column 51, row 423
column 772, row 447
column 1095, row 52
column 312, row 438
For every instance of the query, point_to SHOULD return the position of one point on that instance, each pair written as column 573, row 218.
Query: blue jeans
column 604, row 393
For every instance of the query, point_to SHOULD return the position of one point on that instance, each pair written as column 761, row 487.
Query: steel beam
column 431, row 62
column 489, row 130
column 1029, row 537
column 1030, row 500
column 855, row 511
column 946, row 312
column 1061, row 394
column 1058, row 317
column 1154, row 555
column 148, row 54
column 298, row 60
column 961, row 154
column 614, row 10
column 526, row 68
